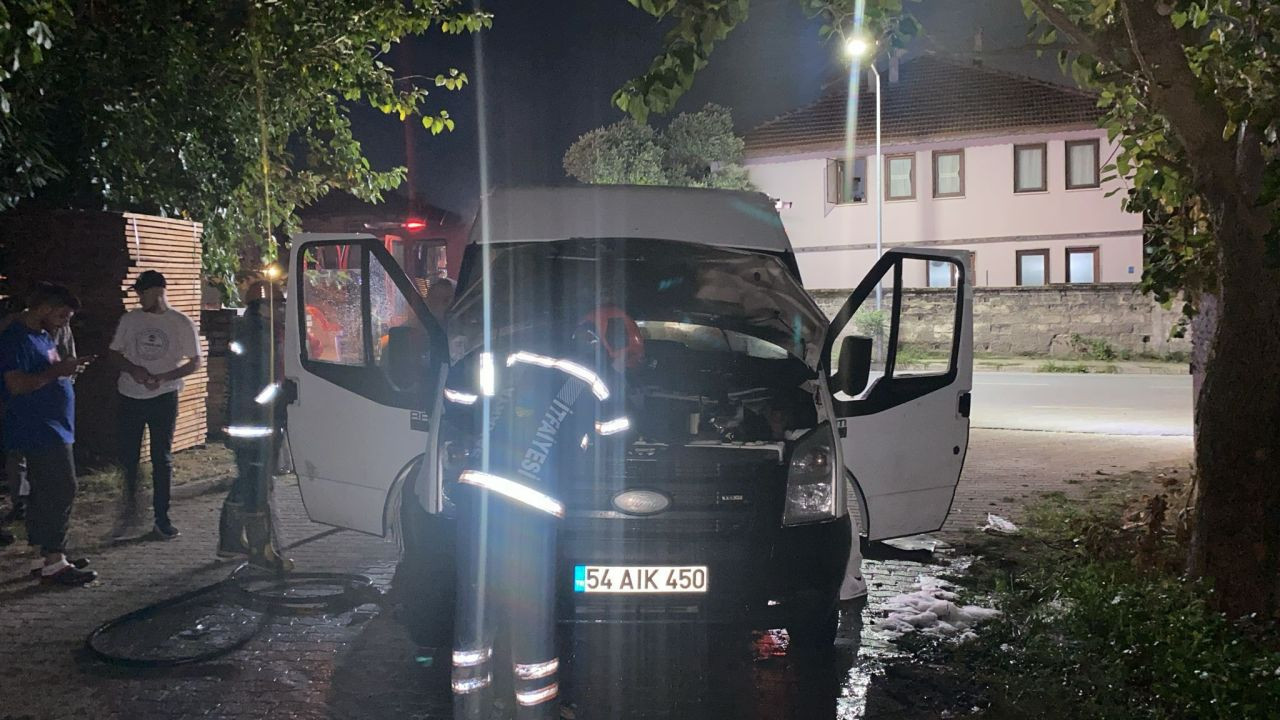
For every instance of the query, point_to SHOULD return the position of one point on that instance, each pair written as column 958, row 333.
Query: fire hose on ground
column 270, row 595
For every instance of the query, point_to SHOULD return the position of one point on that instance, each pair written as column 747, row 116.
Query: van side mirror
column 855, row 365
column 406, row 360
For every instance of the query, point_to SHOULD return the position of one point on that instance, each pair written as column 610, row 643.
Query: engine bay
column 684, row 395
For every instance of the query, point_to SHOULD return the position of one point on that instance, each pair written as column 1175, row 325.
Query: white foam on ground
column 931, row 610
column 998, row 525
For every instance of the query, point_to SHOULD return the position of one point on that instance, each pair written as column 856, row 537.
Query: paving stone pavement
column 359, row 663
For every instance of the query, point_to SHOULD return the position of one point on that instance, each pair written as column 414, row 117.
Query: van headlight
column 811, row 479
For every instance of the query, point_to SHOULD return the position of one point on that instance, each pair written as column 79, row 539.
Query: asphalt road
column 1097, row 404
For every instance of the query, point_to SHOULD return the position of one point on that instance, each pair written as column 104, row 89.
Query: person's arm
column 117, row 359
column 22, row 383
column 190, row 366
column 115, row 355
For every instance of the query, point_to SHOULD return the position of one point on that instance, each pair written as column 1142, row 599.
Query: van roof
column 719, row 218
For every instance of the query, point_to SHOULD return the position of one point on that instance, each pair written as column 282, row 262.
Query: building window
column 1030, row 173
column 948, row 173
column 1033, row 267
column 900, row 177
column 843, row 188
column 942, row 273
column 1082, row 164
column 1083, row 265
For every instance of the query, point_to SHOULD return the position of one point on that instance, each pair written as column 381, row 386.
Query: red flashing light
column 414, row 225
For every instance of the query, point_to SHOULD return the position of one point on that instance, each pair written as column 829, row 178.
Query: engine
column 684, row 395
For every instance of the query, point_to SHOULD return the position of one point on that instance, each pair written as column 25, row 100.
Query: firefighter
column 254, row 432
column 547, row 407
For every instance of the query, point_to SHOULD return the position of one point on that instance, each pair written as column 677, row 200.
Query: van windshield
column 739, row 301
column 708, row 338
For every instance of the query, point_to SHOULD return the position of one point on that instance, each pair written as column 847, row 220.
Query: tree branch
column 1065, row 25
column 1196, row 117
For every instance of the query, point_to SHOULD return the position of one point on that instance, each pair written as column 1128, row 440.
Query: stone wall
column 1039, row 320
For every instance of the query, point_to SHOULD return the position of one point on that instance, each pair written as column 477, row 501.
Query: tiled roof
column 933, row 98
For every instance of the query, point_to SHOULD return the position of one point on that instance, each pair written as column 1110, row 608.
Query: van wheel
column 425, row 576
column 815, row 637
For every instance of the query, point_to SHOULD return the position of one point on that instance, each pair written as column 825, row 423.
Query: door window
column 926, row 321
column 913, row 333
column 331, row 290
column 364, row 323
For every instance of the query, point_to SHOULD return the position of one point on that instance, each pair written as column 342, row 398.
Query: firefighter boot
column 263, row 552
column 231, row 531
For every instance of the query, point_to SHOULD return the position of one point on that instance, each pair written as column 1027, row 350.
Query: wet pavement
column 357, row 662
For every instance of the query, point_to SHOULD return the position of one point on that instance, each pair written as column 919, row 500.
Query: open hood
column 542, row 290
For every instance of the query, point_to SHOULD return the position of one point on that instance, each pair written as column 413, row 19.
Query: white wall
column 835, row 243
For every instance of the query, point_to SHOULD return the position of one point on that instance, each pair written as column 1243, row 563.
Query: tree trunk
column 1204, row 325
column 1236, row 541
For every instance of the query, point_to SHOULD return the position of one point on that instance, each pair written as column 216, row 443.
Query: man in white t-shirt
column 155, row 347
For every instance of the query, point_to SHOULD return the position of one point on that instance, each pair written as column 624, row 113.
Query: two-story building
column 1005, row 167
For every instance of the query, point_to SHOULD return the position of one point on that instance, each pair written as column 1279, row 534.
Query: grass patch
column 914, row 356
column 1093, row 348
column 1056, row 367
column 105, row 481
column 1098, row 623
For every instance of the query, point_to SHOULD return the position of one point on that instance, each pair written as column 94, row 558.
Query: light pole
column 857, row 47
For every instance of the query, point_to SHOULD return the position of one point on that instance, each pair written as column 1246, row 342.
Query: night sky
column 551, row 66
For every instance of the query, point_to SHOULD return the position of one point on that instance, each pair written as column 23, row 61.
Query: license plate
column 639, row 579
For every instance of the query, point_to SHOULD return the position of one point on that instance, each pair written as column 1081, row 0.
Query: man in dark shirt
column 39, row 420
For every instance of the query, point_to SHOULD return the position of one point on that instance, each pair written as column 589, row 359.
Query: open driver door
column 900, row 383
column 364, row 358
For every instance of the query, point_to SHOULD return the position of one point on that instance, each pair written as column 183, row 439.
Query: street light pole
column 857, row 47
column 879, row 184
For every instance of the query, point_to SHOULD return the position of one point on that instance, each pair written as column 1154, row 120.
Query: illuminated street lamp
column 857, row 47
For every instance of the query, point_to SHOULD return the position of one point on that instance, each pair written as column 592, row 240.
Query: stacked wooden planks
column 215, row 326
column 98, row 255
column 172, row 247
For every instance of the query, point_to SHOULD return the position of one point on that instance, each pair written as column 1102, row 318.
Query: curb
column 1170, row 369
column 1120, row 370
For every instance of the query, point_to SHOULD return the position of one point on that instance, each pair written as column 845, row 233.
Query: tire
column 815, row 637
column 425, row 576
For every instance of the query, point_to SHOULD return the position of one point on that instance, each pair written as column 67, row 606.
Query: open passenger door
column 364, row 357
column 900, row 383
